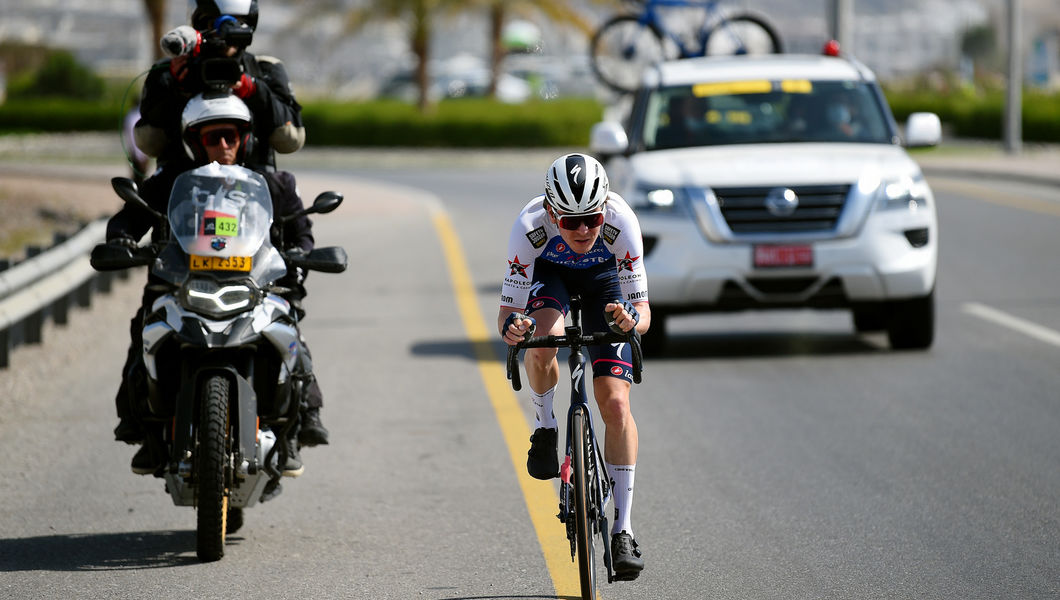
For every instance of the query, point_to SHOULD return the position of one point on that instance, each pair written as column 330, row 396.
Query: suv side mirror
column 608, row 138
column 923, row 129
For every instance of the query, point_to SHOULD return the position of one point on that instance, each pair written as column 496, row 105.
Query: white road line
column 1038, row 332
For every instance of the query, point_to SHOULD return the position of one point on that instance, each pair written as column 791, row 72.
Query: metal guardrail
column 46, row 285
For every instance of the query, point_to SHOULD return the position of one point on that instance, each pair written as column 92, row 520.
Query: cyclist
column 580, row 238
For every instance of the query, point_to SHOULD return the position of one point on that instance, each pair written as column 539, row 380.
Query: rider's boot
column 293, row 467
column 129, row 431
column 143, row 463
column 312, row 432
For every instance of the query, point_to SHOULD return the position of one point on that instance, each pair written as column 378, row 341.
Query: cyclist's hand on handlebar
column 621, row 316
column 518, row 328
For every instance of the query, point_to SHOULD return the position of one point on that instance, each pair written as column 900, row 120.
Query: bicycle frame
column 598, row 483
column 651, row 17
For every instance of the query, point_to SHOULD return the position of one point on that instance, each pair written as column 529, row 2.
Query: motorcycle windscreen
column 220, row 211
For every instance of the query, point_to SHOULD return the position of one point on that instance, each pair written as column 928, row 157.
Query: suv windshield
column 751, row 112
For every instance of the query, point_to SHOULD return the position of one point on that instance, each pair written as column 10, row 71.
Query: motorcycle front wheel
column 210, row 453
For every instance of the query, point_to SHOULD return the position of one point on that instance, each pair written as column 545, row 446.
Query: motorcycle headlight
column 906, row 192
column 217, row 299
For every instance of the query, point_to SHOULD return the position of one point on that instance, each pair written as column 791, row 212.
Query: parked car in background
column 780, row 181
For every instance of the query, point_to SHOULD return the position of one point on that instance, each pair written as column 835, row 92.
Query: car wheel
column 911, row 325
column 654, row 341
column 869, row 318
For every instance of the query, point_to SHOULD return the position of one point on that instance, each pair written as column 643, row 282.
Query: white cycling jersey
column 535, row 236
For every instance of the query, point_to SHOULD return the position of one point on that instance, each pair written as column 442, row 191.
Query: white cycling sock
column 543, row 409
column 621, row 477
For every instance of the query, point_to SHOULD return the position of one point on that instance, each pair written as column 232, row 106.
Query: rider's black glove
column 123, row 241
column 517, row 315
column 609, row 317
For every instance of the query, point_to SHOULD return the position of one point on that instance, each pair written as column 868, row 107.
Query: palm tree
column 556, row 11
column 419, row 15
column 156, row 13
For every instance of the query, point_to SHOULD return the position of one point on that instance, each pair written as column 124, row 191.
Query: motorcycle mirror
column 327, row 202
column 127, row 191
column 324, row 203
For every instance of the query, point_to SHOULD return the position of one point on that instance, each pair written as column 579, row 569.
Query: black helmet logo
column 575, row 167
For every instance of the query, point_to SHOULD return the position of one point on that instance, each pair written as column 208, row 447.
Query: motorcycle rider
column 216, row 127
column 580, row 238
column 211, row 55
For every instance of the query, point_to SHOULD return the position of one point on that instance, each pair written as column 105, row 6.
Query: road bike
column 585, row 488
column 626, row 44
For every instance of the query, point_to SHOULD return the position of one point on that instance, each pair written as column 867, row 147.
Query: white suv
column 778, row 182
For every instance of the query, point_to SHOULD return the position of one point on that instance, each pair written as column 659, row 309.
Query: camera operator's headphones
column 209, row 108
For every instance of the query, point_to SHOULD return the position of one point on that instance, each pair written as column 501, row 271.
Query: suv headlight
column 653, row 197
column 906, row 192
column 215, row 299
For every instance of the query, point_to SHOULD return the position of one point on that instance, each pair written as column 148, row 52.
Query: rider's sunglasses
column 574, row 222
column 214, row 137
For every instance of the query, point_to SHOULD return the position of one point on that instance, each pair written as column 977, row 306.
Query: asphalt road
column 782, row 456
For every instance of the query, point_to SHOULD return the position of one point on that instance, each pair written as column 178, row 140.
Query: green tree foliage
column 61, row 76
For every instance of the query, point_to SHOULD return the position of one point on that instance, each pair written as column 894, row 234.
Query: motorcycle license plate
column 217, row 263
column 771, row 256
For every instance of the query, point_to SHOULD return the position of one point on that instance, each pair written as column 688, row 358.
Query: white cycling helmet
column 207, row 108
column 576, row 184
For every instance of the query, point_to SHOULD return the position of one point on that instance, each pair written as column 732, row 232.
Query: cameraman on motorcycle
column 216, row 127
column 211, row 56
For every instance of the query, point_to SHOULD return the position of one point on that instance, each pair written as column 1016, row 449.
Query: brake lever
column 512, row 366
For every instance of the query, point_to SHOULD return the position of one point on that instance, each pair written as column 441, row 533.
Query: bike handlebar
column 564, row 341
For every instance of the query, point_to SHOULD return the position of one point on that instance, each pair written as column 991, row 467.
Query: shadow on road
column 719, row 345
column 743, row 345
column 99, row 552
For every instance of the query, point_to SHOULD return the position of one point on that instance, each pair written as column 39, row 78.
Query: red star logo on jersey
column 627, row 262
column 516, row 268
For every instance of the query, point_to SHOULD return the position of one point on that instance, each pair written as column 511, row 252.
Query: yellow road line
column 542, row 502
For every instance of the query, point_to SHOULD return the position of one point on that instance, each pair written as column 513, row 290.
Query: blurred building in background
column 896, row 38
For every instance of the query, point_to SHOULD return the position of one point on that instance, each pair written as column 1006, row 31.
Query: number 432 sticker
column 215, row 223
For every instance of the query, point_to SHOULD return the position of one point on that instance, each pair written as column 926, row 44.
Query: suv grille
column 746, row 210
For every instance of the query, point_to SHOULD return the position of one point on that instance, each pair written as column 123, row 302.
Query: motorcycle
column 226, row 368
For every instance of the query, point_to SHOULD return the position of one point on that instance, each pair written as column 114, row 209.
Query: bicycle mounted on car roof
column 627, row 43
column 583, row 492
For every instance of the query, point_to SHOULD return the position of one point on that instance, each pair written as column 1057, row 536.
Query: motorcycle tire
column 212, row 493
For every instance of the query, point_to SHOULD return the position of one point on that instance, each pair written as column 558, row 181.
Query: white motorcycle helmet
column 576, row 184
column 208, row 108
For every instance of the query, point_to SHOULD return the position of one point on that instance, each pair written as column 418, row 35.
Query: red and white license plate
column 771, row 255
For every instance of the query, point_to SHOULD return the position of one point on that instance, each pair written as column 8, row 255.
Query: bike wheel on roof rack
column 622, row 48
column 742, row 34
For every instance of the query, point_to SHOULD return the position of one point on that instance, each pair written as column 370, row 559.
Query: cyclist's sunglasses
column 214, row 137
column 573, row 222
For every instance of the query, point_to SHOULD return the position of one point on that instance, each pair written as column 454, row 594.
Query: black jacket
column 272, row 105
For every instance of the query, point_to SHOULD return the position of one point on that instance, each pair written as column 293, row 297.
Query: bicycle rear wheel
column 742, row 34
column 622, row 48
column 584, row 513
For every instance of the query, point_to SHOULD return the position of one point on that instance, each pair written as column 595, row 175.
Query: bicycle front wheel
column 622, row 48
column 742, row 34
column 584, row 513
